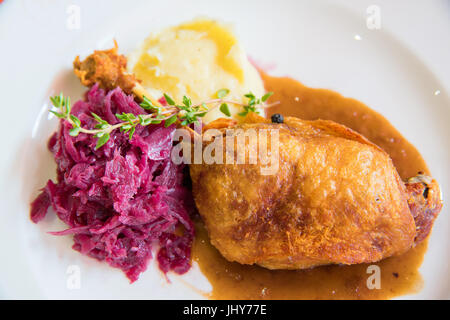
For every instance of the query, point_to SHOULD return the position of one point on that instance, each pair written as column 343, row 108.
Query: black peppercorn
column 277, row 118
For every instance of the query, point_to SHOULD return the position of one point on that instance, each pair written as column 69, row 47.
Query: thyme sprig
column 185, row 113
column 253, row 103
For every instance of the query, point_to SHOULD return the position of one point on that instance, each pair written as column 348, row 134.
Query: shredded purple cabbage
column 124, row 198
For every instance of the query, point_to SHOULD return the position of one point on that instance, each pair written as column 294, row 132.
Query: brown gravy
column 399, row 275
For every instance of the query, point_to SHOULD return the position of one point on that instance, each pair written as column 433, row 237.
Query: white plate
column 323, row 45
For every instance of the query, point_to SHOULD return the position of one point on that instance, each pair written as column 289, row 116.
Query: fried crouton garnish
column 107, row 68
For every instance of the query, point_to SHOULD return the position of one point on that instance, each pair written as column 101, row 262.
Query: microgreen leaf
column 74, row 131
column 225, row 110
column 102, row 140
column 222, row 93
column 59, row 115
column 169, row 100
column 122, row 117
column 170, row 121
column 266, row 96
column 130, row 136
column 187, row 102
column 54, row 101
column 148, row 105
column 126, row 127
column 75, row 120
column 146, row 121
column 67, row 104
column 98, row 119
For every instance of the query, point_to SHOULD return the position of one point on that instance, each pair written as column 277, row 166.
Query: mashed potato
column 196, row 59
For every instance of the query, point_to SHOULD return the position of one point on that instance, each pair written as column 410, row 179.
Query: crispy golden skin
column 335, row 199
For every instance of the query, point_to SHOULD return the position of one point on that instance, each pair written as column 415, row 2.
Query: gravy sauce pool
column 399, row 275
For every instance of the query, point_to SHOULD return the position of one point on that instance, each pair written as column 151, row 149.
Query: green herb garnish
column 186, row 113
column 225, row 110
column 222, row 93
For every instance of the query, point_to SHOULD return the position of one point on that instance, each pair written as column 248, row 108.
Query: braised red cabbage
column 125, row 198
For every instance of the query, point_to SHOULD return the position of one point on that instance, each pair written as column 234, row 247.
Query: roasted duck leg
column 335, row 199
